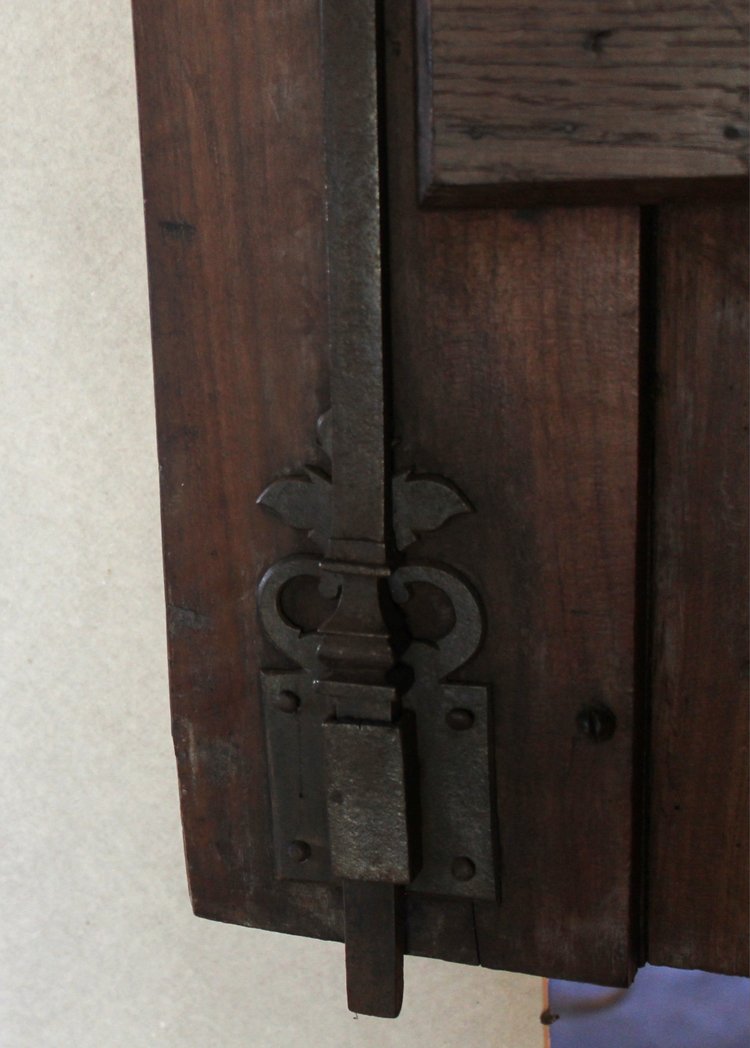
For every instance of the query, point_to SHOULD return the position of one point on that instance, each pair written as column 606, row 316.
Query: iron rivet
column 298, row 851
column 597, row 723
column 463, row 869
column 287, row 702
column 459, row 720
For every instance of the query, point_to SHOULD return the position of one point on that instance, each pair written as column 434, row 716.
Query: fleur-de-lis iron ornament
column 379, row 766
column 303, row 500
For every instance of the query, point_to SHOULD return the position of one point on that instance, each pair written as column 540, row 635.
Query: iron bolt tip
column 597, row 723
column 460, row 720
column 463, row 869
column 298, row 851
column 287, row 702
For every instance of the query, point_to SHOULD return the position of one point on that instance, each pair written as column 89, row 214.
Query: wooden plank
column 564, row 101
column 231, row 126
column 515, row 373
column 698, row 913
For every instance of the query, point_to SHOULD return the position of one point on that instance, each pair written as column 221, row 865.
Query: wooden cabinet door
column 561, row 250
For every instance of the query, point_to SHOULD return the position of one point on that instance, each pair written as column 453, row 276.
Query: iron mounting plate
column 454, row 783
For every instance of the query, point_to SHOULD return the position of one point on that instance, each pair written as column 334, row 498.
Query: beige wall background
column 98, row 947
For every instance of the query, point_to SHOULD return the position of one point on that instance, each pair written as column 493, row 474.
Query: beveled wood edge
column 435, row 194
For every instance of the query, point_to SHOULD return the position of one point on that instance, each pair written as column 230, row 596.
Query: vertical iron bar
column 355, row 642
column 353, row 226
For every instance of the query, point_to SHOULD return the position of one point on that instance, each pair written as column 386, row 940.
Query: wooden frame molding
column 570, row 102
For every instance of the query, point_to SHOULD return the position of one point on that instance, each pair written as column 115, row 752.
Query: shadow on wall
column 664, row 1008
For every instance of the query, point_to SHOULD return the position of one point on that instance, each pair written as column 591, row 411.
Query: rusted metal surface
column 453, row 730
column 344, row 767
column 354, row 646
column 367, row 801
column 452, row 724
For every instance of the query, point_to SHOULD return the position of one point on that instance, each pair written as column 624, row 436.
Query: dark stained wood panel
column 574, row 100
column 231, row 127
column 230, row 102
column 515, row 374
column 698, row 869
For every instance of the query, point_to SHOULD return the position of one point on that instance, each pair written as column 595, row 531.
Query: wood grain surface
column 231, row 129
column 698, row 869
column 565, row 100
column 515, row 372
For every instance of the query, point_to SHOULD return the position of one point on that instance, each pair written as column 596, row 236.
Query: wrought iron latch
column 379, row 767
